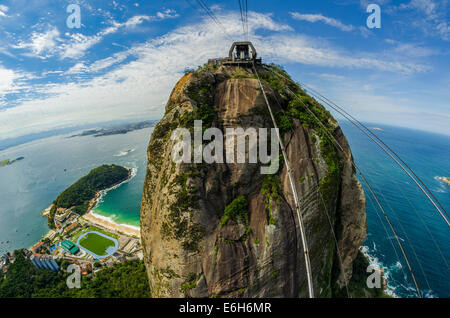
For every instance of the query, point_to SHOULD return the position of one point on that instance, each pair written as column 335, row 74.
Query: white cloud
column 77, row 69
column 100, row 64
column 49, row 43
column 3, row 10
column 7, row 78
column 371, row 105
column 41, row 44
column 141, row 86
column 78, row 45
column 426, row 6
column 302, row 49
column 168, row 13
column 320, row 18
column 432, row 16
column 12, row 81
column 411, row 49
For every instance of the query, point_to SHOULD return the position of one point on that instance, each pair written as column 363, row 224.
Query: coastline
column 107, row 222
column 100, row 220
column 388, row 290
column 445, row 179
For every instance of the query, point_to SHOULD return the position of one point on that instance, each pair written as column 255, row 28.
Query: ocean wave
column 394, row 287
column 393, row 238
column 390, row 289
column 124, row 152
column 443, row 187
column 110, row 219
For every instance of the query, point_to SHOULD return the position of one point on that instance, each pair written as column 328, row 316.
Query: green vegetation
column 81, row 192
column 284, row 122
column 177, row 226
column 190, row 283
column 271, row 189
column 313, row 116
column 125, row 280
column 96, row 243
column 4, row 163
column 7, row 162
column 201, row 92
column 241, row 73
column 237, row 210
column 89, row 228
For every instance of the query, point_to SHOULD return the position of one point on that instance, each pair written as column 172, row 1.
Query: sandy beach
column 103, row 221
column 107, row 222
column 110, row 225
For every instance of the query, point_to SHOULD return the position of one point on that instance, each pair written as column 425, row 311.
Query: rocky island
column 225, row 230
column 119, row 130
column 445, row 179
column 8, row 162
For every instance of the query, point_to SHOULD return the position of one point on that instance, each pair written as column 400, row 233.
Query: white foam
column 124, row 153
column 443, row 186
column 111, row 220
column 104, row 192
column 390, row 290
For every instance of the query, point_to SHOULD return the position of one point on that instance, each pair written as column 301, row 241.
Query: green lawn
column 75, row 235
column 96, row 243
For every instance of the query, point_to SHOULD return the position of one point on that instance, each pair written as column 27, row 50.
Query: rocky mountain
column 225, row 229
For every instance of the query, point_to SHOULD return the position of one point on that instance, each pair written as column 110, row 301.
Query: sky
column 125, row 58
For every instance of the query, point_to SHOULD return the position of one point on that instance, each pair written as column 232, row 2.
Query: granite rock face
column 225, row 229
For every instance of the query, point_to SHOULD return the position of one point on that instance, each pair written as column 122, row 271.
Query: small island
column 445, row 179
column 8, row 162
column 120, row 130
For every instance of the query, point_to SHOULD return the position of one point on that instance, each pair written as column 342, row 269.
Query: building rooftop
column 37, row 245
column 69, row 247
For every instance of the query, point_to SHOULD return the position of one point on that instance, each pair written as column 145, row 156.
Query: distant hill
column 97, row 127
column 117, row 130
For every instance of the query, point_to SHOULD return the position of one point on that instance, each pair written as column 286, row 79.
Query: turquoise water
column 29, row 186
column 50, row 166
column 429, row 156
column 119, row 204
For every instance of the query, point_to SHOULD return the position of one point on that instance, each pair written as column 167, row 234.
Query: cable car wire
column 333, row 139
column 399, row 161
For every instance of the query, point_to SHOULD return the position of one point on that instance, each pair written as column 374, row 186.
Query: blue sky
column 126, row 57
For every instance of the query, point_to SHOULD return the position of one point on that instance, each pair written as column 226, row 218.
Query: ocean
column 422, row 231
column 29, row 186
